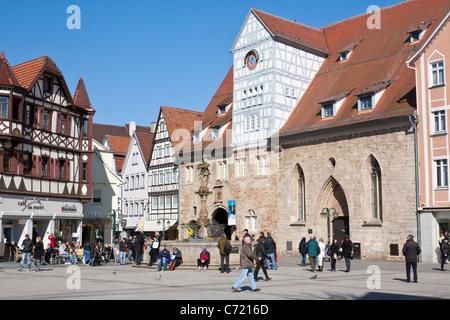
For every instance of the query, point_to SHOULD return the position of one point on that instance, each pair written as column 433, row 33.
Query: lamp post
column 115, row 213
column 327, row 212
column 164, row 225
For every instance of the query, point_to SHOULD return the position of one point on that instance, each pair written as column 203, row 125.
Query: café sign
column 34, row 205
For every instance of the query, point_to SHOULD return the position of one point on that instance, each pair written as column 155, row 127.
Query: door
column 340, row 228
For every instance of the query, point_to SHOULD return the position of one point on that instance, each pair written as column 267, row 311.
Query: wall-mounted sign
column 69, row 209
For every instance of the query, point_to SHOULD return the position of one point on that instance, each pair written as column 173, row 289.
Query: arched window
column 375, row 190
column 298, row 195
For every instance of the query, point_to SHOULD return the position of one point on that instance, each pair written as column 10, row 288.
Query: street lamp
column 164, row 225
column 327, row 212
column 115, row 213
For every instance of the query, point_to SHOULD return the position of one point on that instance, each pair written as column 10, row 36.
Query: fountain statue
column 203, row 192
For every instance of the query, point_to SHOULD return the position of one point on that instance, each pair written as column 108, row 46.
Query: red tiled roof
column 7, row 75
column 380, row 58
column 223, row 93
column 145, row 140
column 29, row 71
column 293, row 31
column 81, row 97
column 120, row 147
column 179, row 119
column 101, row 130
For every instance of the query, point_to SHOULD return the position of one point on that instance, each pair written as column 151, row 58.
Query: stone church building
column 310, row 132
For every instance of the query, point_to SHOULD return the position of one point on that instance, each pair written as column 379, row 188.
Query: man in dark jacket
column 27, row 247
column 445, row 252
column 139, row 247
column 271, row 250
column 411, row 250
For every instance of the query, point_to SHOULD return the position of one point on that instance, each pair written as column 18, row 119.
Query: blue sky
column 137, row 55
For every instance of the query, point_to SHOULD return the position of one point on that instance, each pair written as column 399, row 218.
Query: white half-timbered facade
column 271, row 73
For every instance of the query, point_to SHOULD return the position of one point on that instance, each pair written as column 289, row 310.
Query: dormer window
column 415, row 36
column 366, row 102
column 328, row 110
column 344, row 55
column 222, row 109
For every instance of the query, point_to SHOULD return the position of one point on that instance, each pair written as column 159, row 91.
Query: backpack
column 227, row 247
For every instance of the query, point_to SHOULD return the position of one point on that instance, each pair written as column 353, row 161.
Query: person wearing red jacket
column 203, row 261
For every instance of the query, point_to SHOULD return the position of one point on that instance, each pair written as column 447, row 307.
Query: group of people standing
column 317, row 252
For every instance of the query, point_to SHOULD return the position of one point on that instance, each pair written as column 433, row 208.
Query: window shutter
column 57, row 114
column 20, row 164
column 67, row 169
column 36, row 117
column 34, row 165
column 68, row 125
column 41, row 118
column 14, row 164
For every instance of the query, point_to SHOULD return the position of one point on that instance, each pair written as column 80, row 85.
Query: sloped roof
column 81, row 98
column 379, row 59
column 224, row 94
column 176, row 118
column 7, row 75
column 120, row 147
column 145, row 140
column 294, row 32
column 29, row 71
column 100, row 130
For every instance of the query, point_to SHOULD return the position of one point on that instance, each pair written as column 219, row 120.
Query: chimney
column 153, row 127
column 132, row 128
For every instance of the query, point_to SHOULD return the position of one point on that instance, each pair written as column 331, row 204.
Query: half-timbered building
column 174, row 126
column 45, row 151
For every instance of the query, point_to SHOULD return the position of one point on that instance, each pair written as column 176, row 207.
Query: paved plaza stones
column 290, row 282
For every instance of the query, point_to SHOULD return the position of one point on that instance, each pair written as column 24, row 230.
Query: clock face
column 251, row 60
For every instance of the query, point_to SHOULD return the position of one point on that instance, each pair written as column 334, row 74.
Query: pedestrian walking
column 303, row 251
column 225, row 247
column 347, row 251
column 27, row 249
column 271, row 249
column 123, row 251
column 321, row 255
column 313, row 247
column 246, row 260
column 445, row 252
column 334, row 254
column 260, row 263
column 411, row 250
column 130, row 246
column 154, row 250
column 39, row 253
column 86, row 252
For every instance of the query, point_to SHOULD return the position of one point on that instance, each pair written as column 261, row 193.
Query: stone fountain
column 203, row 192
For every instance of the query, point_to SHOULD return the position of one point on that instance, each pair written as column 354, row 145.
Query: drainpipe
column 414, row 124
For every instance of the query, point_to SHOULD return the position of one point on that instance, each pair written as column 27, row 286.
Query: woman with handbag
column 321, row 255
column 154, row 251
column 334, row 250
